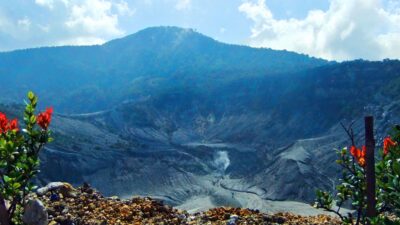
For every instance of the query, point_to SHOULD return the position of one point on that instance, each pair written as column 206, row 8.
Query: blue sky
column 331, row 29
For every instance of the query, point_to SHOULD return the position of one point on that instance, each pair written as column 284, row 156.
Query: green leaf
column 7, row 179
column 31, row 95
column 32, row 120
column 34, row 101
column 16, row 185
column 396, row 168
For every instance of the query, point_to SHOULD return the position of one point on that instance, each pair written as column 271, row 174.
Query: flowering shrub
column 19, row 158
column 352, row 187
column 388, row 175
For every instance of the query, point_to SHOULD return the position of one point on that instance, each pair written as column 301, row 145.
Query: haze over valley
column 170, row 113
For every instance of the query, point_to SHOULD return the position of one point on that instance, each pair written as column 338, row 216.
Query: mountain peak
column 160, row 34
column 167, row 29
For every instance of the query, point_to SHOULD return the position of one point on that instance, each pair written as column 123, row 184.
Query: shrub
column 352, row 187
column 19, row 158
column 388, row 175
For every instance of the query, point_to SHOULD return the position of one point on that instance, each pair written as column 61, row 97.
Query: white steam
column 221, row 160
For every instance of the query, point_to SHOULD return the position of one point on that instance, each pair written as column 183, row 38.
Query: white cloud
column 14, row 30
column 44, row 28
column 183, row 4
column 4, row 23
column 124, row 9
column 94, row 17
column 24, row 23
column 45, row 3
column 349, row 29
column 72, row 22
column 394, row 6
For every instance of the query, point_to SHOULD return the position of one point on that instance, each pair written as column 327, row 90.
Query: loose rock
column 35, row 213
column 89, row 207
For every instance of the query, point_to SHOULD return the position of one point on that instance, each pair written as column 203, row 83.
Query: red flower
column 361, row 162
column 387, row 144
column 3, row 123
column 359, row 154
column 13, row 125
column 6, row 125
column 44, row 118
column 364, row 150
column 353, row 151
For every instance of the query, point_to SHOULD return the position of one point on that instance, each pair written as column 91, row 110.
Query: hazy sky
column 331, row 29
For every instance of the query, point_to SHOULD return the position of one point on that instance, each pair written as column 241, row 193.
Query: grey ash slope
column 277, row 152
column 170, row 113
column 121, row 155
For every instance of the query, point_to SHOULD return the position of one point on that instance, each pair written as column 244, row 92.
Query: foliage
column 388, row 175
column 352, row 187
column 19, row 158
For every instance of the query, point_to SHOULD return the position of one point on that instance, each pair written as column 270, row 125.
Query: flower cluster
column 44, row 118
column 358, row 154
column 387, row 144
column 7, row 125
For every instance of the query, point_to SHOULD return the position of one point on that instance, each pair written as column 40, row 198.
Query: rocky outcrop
column 89, row 207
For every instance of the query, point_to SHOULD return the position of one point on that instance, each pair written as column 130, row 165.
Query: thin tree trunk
column 370, row 167
column 3, row 212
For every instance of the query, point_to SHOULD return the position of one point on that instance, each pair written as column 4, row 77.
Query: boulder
column 63, row 188
column 35, row 213
column 233, row 219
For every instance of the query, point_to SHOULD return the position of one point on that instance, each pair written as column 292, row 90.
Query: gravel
column 86, row 206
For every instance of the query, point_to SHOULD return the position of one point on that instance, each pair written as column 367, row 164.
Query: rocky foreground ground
column 66, row 205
